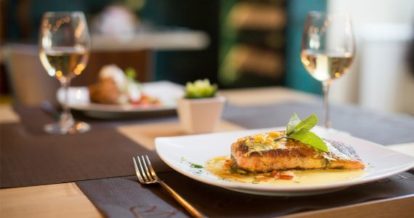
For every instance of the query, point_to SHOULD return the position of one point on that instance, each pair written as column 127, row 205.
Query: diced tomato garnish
column 285, row 175
column 146, row 101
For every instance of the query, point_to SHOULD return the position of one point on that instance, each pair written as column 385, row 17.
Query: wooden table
column 67, row 200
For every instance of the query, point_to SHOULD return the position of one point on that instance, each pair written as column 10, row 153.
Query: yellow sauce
column 220, row 167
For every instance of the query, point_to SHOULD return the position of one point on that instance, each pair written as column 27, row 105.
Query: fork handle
column 187, row 206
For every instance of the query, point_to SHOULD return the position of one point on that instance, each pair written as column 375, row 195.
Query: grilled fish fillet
column 290, row 154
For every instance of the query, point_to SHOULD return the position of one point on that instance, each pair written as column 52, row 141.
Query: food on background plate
column 281, row 155
column 119, row 88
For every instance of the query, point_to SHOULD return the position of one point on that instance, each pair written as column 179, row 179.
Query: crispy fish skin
column 294, row 155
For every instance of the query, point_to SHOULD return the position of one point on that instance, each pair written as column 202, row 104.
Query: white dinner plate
column 178, row 152
column 165, row 91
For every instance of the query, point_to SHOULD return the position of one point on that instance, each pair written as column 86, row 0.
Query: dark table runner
column 28, row 156
column 125, row 197
column 374, row 126
column 34, row 118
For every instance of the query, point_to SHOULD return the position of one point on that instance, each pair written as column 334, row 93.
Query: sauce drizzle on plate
column 222, row 168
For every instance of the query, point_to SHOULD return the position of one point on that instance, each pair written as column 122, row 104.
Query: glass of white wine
column 328, row 48
column 64, row 50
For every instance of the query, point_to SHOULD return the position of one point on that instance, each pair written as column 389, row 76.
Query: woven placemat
column 29, row 156
column 125, row 197
column 374, row 126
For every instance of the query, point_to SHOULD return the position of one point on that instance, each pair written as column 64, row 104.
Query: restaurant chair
column 30, row 84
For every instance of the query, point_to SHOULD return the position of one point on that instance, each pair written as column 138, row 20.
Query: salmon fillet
column 289, row 154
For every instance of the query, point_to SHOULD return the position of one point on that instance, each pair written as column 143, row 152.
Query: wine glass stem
column 326, row 85
column 66, row 120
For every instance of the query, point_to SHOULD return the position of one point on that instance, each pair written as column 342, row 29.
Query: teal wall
column 200, row 15
column 14, row 33
column 296, row 75
column 181, row 66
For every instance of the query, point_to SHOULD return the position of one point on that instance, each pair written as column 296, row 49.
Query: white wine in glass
column 64, row 51
column 64, row 63
column 327, row 50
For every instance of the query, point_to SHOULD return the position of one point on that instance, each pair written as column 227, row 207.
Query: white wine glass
column 64, row 50
column 328, row 48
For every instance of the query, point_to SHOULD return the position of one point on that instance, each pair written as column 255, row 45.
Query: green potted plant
column 200, row 109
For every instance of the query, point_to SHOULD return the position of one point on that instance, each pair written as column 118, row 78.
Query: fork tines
column 146, row 175
column 144, row 170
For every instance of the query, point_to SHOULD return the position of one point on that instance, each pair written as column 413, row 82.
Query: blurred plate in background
column 168, row 93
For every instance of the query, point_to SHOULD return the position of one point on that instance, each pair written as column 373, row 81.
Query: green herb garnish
column 200, row 89
column 300, row 130
column 192, row 165
column 198, row 166
column 130, row 73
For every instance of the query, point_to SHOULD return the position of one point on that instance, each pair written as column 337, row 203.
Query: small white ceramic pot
column 200, row 115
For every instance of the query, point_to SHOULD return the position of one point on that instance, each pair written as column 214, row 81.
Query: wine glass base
column 56, row 128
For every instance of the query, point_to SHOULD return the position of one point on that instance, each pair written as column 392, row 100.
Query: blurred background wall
column 380, row 78
column 247, row 39
column 235, row 43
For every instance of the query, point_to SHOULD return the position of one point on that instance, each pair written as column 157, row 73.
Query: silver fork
column 146, row 175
